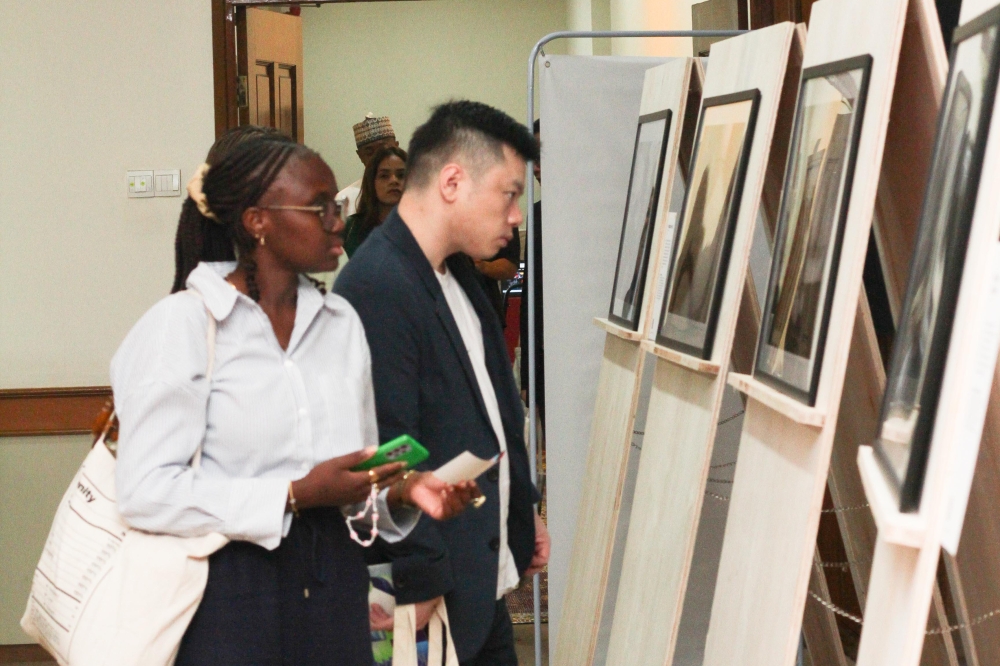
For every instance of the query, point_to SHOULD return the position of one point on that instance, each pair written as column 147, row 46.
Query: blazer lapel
column 397, row 231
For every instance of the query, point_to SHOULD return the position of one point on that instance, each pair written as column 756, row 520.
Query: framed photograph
column 811, row 219
column 723, row 141
column 640, row 217
column 917, row 365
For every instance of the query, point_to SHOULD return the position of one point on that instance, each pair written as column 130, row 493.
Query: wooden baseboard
column 50, row 411
column 27, row 653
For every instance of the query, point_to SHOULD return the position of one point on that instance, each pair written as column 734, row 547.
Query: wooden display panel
column 779, row 483
column 909, row 142
column 687, row 391
column 906, row 554
column 665, row 87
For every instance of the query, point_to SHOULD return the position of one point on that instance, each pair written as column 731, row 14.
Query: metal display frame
column 530, row 246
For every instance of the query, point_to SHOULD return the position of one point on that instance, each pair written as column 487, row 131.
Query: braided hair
column 236, row 182
column 194, row 241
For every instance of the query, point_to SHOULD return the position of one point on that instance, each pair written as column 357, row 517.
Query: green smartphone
column 402, row 449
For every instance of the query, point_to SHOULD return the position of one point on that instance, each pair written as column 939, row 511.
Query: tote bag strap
column 404, row 636
column 210, row 368
column 438, row 635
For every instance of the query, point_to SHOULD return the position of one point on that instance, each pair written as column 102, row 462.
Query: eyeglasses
column 328, row 212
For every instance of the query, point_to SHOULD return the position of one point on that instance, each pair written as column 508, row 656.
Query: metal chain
column 842, row 509
column 718, row 497
column 723, row 465
column 835, row 565
column 970, row 623
column 835, row 609
column 930, row 632
column 731, row 418
column 711, row 480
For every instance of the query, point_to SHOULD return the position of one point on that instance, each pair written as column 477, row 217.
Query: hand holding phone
column 403, row 449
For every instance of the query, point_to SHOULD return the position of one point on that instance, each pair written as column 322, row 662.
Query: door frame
column 226, row 15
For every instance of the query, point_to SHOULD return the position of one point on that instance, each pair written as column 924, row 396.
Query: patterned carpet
column 520, row 602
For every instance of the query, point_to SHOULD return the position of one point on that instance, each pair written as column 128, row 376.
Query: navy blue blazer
column 425, row 387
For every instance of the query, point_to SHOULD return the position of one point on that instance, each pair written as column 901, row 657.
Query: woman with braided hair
column 254, row 436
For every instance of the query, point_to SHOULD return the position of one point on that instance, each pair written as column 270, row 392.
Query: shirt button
column 495, row 544
column 288, row 363
column 303, row 411
column 493, row 475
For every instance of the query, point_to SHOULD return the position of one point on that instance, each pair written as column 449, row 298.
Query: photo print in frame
column 690, row 312
column 640, row 218
column 810, row 231
column 919, row 355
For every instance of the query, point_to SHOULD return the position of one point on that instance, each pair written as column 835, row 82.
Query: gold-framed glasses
column 328, row 212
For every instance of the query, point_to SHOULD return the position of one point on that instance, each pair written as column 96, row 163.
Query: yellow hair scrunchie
column 194, row 189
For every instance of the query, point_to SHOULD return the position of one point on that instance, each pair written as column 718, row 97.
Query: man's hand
column 500, row 269
column 382, row 621
column 379, row 619
column 543, row 544
column 425, row 609
column 439, row 500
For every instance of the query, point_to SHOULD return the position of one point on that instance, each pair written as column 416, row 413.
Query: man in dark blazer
column 440, row 367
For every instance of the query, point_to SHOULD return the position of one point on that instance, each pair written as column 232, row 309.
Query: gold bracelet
column 401, row 484
column 291, row 500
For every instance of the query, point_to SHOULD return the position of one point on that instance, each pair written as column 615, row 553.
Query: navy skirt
column 306, row 602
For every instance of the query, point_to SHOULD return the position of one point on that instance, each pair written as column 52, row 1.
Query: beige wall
column 90, row 89
column 35, row 473
column 401, row 58
column 651, row 15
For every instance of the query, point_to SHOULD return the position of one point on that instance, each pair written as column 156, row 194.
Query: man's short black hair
column 476, row 130
column 537, row 127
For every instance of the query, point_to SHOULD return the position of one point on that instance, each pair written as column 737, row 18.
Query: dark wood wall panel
column 768, row 12
column 27, row 653
column 51, row 411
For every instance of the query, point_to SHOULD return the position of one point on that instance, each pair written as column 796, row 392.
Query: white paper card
column 661, row 274
column 464, row 467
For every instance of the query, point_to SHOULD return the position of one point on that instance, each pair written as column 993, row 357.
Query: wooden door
column 270, row 67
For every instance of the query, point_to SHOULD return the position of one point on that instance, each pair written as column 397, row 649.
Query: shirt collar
column 209, row 279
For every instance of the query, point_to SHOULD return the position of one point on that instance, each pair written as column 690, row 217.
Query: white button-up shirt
column 269, row 416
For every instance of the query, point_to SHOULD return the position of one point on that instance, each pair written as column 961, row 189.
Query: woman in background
column 381, row 189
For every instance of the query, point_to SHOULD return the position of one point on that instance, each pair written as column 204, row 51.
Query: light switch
column 140, row 183
column 167, row 182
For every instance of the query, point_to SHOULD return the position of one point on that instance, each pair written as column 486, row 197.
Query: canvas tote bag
column 105, row 594
column 404, row 632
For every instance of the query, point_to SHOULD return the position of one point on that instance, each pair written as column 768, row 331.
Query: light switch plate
column 140, row 183
column 167, row 182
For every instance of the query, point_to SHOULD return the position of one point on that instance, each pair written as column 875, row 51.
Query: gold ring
column 479, row 501
column 372, row 477
column 407, row 474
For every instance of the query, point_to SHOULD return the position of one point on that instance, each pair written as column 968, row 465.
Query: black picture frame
column 672, row 325
column 919, row 357
column 806, row 170
column 635, row 251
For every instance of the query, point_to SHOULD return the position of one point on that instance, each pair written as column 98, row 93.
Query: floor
column 524, row 637
column 524, row 640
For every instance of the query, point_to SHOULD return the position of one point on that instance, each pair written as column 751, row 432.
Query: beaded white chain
column 370, row 503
